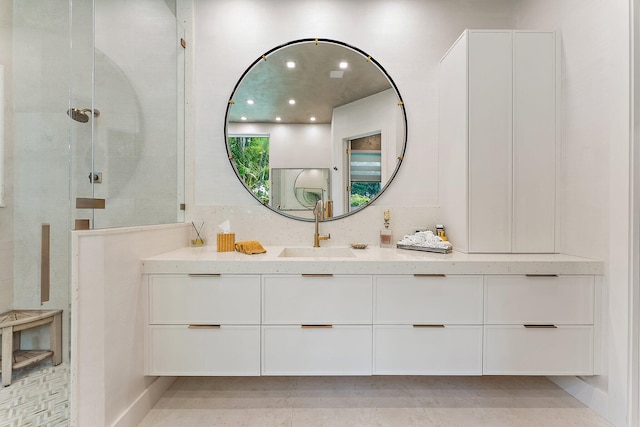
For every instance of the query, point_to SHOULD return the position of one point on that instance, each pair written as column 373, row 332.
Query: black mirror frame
column 317, row 40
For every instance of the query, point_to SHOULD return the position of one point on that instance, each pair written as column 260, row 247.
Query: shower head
column 81, row 115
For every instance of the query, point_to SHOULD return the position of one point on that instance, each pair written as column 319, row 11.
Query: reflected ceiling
column 310, row 83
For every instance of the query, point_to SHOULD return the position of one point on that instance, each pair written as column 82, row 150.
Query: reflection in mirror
column 298, row 190
column 315, row 107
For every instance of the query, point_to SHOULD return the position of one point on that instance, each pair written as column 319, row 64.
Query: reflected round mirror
column 315, row 119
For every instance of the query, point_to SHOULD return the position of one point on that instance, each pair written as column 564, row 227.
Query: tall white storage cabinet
column 499, row 141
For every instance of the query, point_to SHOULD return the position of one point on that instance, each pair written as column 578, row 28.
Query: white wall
column 292, row 146
column 108, row 385
column 6, row 213
column 595, row 169
column 406, row 37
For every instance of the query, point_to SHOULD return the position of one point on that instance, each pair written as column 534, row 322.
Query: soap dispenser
column 386, row 234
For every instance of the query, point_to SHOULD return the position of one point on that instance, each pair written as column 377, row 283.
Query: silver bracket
column 95, row 177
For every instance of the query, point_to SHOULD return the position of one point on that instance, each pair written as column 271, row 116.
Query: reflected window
column 251, row 159
column 365, row 170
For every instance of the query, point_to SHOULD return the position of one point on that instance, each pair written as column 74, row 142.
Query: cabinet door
column 490, row 141
column 534, row 142
column 204, row 299
column 539, row 300
column 316, row 350
column 409, row 299
column 299, row 299
column 517, row 350
column 420, row 350
column 198, row 350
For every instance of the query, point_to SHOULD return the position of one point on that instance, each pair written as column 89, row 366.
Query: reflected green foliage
column 251, row 157
column 363, row 192
column 358, row 200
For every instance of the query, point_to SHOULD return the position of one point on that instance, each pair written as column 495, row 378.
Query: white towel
column 425, row 239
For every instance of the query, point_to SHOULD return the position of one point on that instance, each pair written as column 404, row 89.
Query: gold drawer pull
column 204, row 326
column 316, row 326
column 317, row 275
column 428, row 326
column 205, row 275
column 429, row 275
column 541, row 326
column 541, row 275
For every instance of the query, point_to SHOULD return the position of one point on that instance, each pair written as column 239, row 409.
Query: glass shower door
column 132, row 169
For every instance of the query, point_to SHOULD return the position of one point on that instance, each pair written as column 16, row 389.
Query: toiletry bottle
column 386, row 234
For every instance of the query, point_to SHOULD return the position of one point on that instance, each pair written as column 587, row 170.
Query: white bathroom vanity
column 377, row 312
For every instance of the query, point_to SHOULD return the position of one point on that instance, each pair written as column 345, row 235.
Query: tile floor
column 37, row 396
column 369, row 401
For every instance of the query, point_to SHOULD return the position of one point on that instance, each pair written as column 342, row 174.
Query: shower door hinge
column 183, row 43
column 95, row 177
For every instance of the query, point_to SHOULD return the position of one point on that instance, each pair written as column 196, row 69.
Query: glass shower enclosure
column 94, row 135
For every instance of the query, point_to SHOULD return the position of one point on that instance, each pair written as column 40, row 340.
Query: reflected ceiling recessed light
column 278, row 119
column 313, row 119
column 292, row 101
column 291, row 64
column 243, row 118
column 250, row 101
column 343, row 65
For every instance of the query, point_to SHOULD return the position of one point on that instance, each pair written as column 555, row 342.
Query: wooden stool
column 11, row 323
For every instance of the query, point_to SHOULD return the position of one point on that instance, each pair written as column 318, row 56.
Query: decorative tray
column 424, row 249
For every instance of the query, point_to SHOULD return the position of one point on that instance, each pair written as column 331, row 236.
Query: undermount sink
column 308, row 252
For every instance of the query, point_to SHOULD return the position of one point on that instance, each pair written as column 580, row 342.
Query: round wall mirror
column 315, row 119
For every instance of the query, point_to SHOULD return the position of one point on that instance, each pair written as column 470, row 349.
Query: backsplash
column 260, row 223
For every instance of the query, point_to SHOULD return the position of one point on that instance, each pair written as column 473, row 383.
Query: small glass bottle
column 386, row 234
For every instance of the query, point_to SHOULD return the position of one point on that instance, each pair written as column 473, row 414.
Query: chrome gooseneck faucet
column 318, row 214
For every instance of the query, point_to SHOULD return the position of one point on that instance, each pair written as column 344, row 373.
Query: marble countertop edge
column 373, row 260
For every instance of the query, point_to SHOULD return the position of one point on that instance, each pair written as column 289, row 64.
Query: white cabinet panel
column 339, row 299
column 204, row 299
column 180, row 350
column 490, row 141
column 516, row 350
column 453, row 150
column 414, row 299
column 534, row 148
column 298, row 350
column 498, row 109
column 556, row 300
column 409, row 350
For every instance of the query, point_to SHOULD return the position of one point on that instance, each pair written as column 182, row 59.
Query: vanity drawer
column 180, row 350
column 225, row 299
column 516, row 350
column 409, row 350
column 428, row 299
column 523, row 299
column 300, row 350
column 303, row 299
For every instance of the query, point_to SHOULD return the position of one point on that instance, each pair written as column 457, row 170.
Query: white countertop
column 372, row 260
